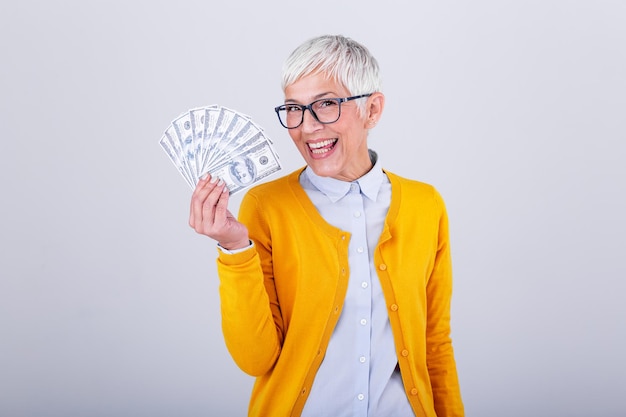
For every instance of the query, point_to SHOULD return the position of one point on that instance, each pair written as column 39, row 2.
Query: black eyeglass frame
column 309, row 107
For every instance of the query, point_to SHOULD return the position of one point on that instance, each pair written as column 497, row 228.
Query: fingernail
column 220, row 182
column 214, row 180
column 203, row 177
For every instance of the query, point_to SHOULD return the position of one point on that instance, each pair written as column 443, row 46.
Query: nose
column 309, row 122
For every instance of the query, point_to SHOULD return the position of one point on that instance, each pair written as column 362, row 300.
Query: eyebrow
column 316, row 97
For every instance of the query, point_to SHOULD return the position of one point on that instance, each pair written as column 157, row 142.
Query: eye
column 292, row 108
column 325, row 103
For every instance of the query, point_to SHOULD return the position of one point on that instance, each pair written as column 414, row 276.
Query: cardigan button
column 394, row 307
column 404, row 353
column 414, row 391
column 382, row 267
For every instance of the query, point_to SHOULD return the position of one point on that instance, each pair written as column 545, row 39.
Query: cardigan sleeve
column 439, row 353
column 251, row 320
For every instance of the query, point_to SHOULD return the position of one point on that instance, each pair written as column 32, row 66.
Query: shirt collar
column 335, row 189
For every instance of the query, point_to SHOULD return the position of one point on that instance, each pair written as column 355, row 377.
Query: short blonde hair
column 340, row 58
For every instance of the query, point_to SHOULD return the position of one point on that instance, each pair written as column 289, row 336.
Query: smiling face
column 338, row 150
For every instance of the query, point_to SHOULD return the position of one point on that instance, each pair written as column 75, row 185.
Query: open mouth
column 319, row 148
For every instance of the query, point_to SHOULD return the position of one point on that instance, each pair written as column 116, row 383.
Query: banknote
column 198, row 119
column 231, row 139
column 245, row 142
column 174, row 142
column 223, row 142
column 248, row 168
column 203, row 122
column 232, row 123
column 213, row 113
column 170, row 150
column 222, row 120
column 182, row 127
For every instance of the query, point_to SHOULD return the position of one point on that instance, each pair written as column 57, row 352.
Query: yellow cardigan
column 281, row 299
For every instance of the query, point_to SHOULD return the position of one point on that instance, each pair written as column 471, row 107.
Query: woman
column 335, row 282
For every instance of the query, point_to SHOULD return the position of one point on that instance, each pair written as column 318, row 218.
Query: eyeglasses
column 324, row 110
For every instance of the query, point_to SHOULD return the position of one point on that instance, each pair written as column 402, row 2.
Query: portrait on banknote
column 243, row 171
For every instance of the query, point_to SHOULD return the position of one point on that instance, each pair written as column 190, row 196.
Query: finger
column 198, row 198
column 221, row 208
column 205, row 218
column 199, row 185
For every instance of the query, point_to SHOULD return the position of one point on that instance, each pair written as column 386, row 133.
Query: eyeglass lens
column 324, row 110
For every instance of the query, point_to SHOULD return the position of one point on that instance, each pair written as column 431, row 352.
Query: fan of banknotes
column 222, row 142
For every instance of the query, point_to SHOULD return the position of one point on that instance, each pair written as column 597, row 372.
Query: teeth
column 320, row 147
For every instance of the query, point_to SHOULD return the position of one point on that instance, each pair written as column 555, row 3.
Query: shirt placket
column 360, row 292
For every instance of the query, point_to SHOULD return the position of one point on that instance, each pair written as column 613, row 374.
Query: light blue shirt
column 358, row 376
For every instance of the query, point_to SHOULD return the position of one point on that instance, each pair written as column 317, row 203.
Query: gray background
column 515, row 110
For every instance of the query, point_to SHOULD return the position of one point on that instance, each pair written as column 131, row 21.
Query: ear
column 374, row 109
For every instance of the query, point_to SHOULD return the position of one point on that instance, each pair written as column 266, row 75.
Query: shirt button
column 362, row 359
column 360, row 250
column 361, row 397
column 364, row 285
column 363, row 322
column 357, row 214
column 382, row 267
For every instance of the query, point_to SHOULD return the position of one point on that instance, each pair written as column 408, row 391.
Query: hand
column 209, row 214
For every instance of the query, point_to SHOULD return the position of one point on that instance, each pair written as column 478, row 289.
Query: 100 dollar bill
column 249, row 167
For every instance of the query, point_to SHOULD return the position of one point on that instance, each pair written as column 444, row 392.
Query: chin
column 323, row 171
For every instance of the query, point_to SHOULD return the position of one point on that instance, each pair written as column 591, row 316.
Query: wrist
column 241, row 244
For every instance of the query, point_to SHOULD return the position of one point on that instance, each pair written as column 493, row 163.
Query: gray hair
column 340, row 58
